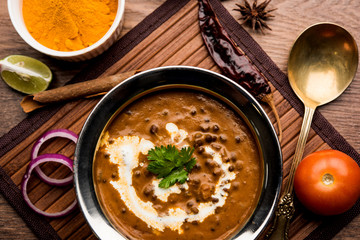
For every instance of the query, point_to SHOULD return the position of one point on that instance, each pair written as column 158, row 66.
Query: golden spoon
column 322, row 63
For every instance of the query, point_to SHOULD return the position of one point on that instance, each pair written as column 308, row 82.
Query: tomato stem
column 327, row 179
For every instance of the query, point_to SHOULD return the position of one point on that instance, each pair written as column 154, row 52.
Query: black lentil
column 215, row 128
column 223, row 138
column 201, row 149
column 154, row 129
column 208, row 138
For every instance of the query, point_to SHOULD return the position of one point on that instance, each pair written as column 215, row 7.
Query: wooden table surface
column 291, row 17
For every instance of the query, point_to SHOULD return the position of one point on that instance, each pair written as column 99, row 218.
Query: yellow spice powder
column 68, row 25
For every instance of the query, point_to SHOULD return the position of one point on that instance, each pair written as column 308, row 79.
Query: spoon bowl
column 322, row 63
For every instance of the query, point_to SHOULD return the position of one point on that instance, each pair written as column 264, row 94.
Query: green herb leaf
column 189, row 165
column 162, row 160
column 171, row 164
column 178, row 175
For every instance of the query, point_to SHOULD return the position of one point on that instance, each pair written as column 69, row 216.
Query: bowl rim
column 86, row 196
column 18, row 22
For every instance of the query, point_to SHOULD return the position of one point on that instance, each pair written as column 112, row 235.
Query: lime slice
column 25, row 74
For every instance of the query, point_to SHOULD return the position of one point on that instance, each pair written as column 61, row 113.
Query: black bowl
column 178, row 77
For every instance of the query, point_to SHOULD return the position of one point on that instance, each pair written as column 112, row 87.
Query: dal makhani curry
column 221, row 190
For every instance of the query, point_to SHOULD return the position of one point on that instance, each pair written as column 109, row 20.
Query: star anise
column 255, row 15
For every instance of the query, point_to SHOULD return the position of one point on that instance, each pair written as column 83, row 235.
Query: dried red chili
column 231, row 60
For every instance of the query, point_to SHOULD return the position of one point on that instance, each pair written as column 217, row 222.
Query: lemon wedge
column 25, row 74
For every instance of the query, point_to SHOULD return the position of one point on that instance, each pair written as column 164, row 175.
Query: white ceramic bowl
column 113, row 34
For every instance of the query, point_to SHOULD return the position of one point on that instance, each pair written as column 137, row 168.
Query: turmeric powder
column 68, row 25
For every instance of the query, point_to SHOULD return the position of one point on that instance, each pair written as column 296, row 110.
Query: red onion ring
column 63, row 133
column 58, row 158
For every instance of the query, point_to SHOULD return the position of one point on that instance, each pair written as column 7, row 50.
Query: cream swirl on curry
column 124, row 152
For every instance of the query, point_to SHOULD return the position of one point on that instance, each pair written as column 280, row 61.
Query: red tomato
column 327, row 182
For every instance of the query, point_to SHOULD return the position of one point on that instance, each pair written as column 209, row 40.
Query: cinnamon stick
column 91, row 88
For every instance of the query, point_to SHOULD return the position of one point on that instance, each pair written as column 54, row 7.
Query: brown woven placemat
column 169, row 36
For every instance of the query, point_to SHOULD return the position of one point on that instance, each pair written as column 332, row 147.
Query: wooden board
column 175, row 42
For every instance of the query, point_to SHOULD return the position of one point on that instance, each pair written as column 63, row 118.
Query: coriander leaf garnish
column 178, row 175
column 171, row 164
column 190, row 164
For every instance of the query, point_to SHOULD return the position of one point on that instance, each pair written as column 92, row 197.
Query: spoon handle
column 285, row 209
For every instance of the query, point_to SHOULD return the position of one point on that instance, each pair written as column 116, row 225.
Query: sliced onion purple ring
column 63, row 133
column 58, row 158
